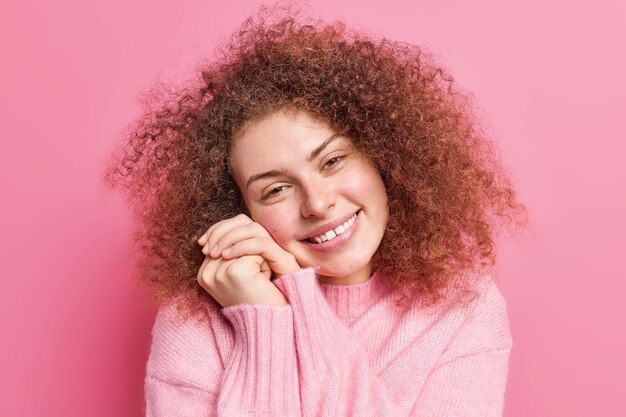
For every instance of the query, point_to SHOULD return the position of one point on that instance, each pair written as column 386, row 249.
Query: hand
column 241, row 256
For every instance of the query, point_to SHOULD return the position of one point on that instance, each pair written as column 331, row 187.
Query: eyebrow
column 268, row 174
column 324, row 144
column 313, row 155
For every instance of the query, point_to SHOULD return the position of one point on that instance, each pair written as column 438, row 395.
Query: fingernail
column 202, row 239
column 214, row 250
column 205, row 250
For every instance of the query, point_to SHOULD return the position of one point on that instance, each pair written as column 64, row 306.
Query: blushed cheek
column 277, row 223
column 367, row 180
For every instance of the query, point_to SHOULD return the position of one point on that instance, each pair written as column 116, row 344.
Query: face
column 320, row 198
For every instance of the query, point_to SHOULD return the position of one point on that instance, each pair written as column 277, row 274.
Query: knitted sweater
column 333, row 351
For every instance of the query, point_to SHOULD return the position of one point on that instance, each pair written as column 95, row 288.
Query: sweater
column 333, row 351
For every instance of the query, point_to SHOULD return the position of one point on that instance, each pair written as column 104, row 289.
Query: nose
column 318, row 198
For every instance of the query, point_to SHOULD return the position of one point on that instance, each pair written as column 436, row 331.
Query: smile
column 333, row 233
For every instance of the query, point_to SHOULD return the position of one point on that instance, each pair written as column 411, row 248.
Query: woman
column 316, row 218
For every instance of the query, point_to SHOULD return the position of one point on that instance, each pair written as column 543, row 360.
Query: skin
column 299, row 179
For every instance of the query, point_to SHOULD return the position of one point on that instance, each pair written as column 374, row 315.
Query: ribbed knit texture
column 333, row 351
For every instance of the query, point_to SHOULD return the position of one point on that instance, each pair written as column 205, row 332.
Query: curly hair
column 448, row 194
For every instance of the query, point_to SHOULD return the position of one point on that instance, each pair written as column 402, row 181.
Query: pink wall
column 549, row 76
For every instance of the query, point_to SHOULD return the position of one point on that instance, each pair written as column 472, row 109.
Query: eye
column 333, row 161
column 274, row 191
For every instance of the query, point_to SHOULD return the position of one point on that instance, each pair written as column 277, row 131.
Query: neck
column 358, row 277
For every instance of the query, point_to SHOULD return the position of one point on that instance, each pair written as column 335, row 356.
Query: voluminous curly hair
column 448, row 194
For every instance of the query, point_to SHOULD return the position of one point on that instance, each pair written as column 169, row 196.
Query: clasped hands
column 240, row 259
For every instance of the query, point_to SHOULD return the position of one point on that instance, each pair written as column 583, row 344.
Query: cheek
column 277, row 222
column 366, row 183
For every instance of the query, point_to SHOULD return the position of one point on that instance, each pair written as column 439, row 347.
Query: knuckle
column 220, row 282
column 242, row 217
column 234, row 269
column 260, row 229
column 252, row 246
column 204, row 278
column 236, row 272
column 259, row 244
column 265, row 242
column 222, row 273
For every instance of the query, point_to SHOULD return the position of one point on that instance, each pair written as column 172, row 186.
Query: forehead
column 278, row 141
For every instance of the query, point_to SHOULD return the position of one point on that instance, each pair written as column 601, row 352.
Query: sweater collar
column 350, row 302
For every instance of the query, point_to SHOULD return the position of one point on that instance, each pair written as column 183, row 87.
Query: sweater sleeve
column 261, row 376
column 248, row 368
column 184, row 367
column 336, row 378
column 470, row 376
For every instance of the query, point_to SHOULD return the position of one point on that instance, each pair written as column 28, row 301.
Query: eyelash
column 333, row 161
column 327, row 165
column 271, row 193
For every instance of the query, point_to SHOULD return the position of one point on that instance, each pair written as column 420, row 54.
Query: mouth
column 333, row 232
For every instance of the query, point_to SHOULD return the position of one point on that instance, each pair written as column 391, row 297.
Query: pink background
column 548, row 75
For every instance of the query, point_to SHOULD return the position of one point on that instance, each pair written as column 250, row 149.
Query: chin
column 350, row 273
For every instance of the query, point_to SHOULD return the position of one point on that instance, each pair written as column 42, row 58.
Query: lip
column 338, row 242
column 329, row 226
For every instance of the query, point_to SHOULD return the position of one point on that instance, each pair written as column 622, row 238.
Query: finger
column 236, row 234
column 265, row 267
column 204, row 238
column 279, row 260
column 236, row 273
column 216, row 284
column 215, row 232
column 207, row 273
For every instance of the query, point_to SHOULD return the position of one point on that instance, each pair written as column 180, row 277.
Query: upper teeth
column 331, row 234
